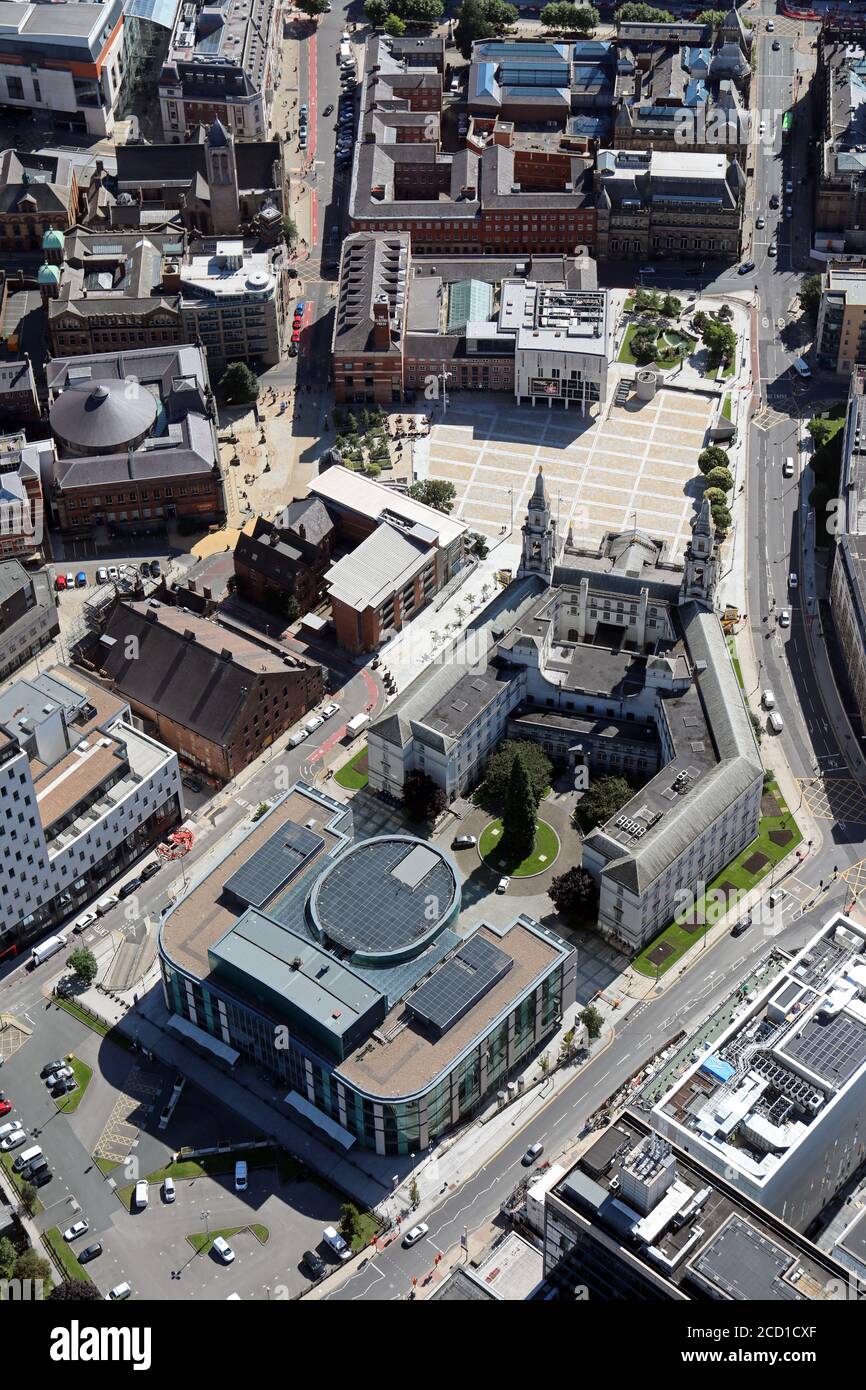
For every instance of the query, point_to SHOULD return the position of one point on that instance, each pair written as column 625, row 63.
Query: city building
column 286, row 557
column 233, row 300
column 223, row 63
column 539, row 328
column 641, row 1218
column 611, row 660
column 135, row 440
column 848, row 573
column 38, row 192
column 19, row 399
column 209, row 688
column 29, row 619
column 383, row 1028
column 21, row 506
column 68, row 60
column 840, row 337
column 840, row 192
column 776, row 1106
column 84, row 795
column 204, row 182
column 668, row 204
column 402, row 554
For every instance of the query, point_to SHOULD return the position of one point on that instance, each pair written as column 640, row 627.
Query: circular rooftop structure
column 385, row 899
column 102, row 417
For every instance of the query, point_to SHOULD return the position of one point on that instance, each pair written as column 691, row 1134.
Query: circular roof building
column 102, row 417
column 385, row 899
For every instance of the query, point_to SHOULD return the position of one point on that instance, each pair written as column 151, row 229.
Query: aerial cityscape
column 433, row 654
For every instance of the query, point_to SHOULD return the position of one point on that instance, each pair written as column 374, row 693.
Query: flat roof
column 359, row 494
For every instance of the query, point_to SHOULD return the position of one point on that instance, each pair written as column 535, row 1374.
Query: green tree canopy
column 498, row 771
column 238, row 384
column 712, row 17
column 820, row 430
column 715, row 495
column 578, row 19
column 8, row 1256
column 424, row 801
column 810, row 296
column 481, row 19
column 721, row 340
column 574, row 893
column 349, row 1221
column 519, row 813
column 290, row 230
column 642, row 14
column 395, row 26
column 434, row 492
column 592, row 1021
column 671, row 306
column 605, row 796
column 720, row 478
column 312, row 7
column 31, row 1265
column 83, row 965
column 713, row 457
column 75, row 1291
column 377, row 11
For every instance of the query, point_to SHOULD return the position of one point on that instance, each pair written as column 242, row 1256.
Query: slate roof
column 164, row 166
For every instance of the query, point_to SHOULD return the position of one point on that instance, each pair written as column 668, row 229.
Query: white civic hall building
column 778, row 1107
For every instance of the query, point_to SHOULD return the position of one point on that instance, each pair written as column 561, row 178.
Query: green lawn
column 628, row 306
column 736, row 874
column 349, row 776
column 202, row 1241
column 65, row 1255
column 288, row 1170
column 7, row 1159
column 367, row 1228
column 544, row 854
column 735, row 661
column 626, row 355
column 730, row 369
column 83, row 1073
column 726, row 408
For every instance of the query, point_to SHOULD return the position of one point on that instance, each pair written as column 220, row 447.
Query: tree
column 721, row 340
column 644, row 345
column 377, row 11
column 519, row 814
column 75, row 1291
column 394, row 26
column 716, row 497
column 671, row 306
column 574, row 893
column 238, row 384
column 820, row 430
column 8, row 1256
column 481, row 19
column 83, row 965
column 720, row 478
column 30, row 1265
column 606, row 796
column 757, row 726
column 647, row 301
column 700, row 320
column 566, row 1047
column 810, row 296
column 434, row 492
column 579, row 19
column 29, row 1197
column 290, row 230
column 592, row 1021
column 712, row 457
column 421, row 11
column 721, row 517
column 349, row 1220
column 712, row 17
column 312, row 7
column 414, row 1194
column 424, row 801
column 642, row 14
column 726, row 312
column 498, row 771
column 477, row 545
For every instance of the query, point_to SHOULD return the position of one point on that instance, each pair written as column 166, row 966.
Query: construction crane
column 177, row 846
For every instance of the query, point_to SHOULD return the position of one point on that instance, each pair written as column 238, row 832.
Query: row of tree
column 715, row 464
column 571, row 19
column 380, row 12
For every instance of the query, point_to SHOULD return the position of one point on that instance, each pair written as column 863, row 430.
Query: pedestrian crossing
column 768, row 418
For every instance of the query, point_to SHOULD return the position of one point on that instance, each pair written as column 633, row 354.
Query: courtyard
column 634, row 464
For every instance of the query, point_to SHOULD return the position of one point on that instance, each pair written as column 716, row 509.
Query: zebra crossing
column 768, row 418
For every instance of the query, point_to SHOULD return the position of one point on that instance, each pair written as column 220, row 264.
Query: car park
column 417, row 1233
column 223, row 1250
column 743, row 925
column 503, row 884
column 785, row 618
column 90, row 1252
column 13, row 1141
column 533, row 1153
column 768, row 699
column 313, row 1264
column 464, row 842
column 78, row 1228
column 169, row 1192
column 329, row 710
column 141, row 1193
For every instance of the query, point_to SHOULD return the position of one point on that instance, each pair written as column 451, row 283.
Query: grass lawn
column 678, row 937
column 730, row 369
column 106, row 1165
column 83, row 1073
column 214, row 1164
column 626, row 354
column 836, row 416
column 202, row 1241
column 7, row 1159
column 65, row 1257
column 726, row 408
column 545, row 852
column 628, row 306
column 353, row 774
column 368, row 1227
column 735, row 660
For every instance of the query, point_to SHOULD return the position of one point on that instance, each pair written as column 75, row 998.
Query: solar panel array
column 364, row 907
column 271, row 867
column 458, row 984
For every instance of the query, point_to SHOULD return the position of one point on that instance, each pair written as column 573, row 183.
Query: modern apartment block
column 29, row 620
column 840, row 338
column 848, row 575
column 135, row 440
column 223, row 63
column 640, row 1218
column 776, row 1106
column 83, row 793
column 383, row 1028
column 68, row 60
column 660, row 702
column 405, row 323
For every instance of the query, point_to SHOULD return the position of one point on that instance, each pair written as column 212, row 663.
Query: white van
column 241, row 1175
column 119, row 1291
column 333, row 1239
column 10, row 1128
column 776, row 722
column 107, row 903
column 297, row 738
column 28, row 1156
column 802, row 366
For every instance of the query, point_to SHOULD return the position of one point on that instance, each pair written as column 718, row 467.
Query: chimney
column 381, row 323
column 225, row 654
column 207, row 592
column 190, row 584
column 302, row 531
column 188, row 635
column 150, row 616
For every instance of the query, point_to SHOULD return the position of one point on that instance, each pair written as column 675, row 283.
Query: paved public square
column 633, row 464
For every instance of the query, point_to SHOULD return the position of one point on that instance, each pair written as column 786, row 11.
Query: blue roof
column 590, row 48
column 695, row 93
column 161, row 12
column 486, row 79
column 717, row 1067
column 697, row 57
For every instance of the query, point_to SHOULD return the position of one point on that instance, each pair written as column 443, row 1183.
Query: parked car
column 144, row 568
column 149, row 870
column 83, row 922
column 313, row 1264
column 788, row 468
column 533, row 1153
column 768, row 699
column 417, row 1233
column 169, row 1193
column 113, row 573
column 102, row 575
column 464, row 842
column 155, row 569
column 80, row 580
column 785, row 618
column 328, row 109
column 743, row 925
column 776, row 722
column 793, row 581
column 50, row 1067
column 142, row 1193
column 60, row 582
column 315, row 723
column 223, row 1250
column 776, row 45
column 64, row 1088
column 61, row 1074
column 129, row 888
column 118, row 1292
column 335, row 1242
column 503, row 884
column 192, row 784
column 90, row 1252
column 329, row 710
column 41, row 1178
column 78, row 1228
column 746, row 268
column 774, row 200
column 297, row 738
column 13, row 1140
column 5, row 1107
